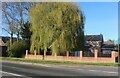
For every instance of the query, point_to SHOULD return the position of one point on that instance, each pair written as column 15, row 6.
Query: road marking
column 102, row 71
column 93, row 70
column 109, row 72
column 11, row 73
column 45, row 65
column 15, row 74
column 79, row 69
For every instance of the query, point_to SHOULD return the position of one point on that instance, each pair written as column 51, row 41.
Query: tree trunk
column 44, row 55
column 18, row 37
column 67, row 54
column 11, row 39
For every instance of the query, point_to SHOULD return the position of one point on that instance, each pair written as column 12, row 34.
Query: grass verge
column 56, row 62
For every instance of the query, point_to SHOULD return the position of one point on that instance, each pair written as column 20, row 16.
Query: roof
column 108, row 45
column 5, row 39
column 94, row 37
column 1, row 42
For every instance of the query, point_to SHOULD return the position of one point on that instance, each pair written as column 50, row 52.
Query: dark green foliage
column 8, row 43
column 17, row 49
column 25, row 31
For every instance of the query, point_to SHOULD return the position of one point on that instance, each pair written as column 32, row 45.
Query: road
column 16, row 70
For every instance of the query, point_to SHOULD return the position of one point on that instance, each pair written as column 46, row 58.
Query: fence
column 111, row 59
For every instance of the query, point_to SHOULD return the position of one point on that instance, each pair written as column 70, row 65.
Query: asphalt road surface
column 19, row 70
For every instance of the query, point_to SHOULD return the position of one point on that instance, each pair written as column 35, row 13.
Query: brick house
column 3, row 46
column 97, row 41
column 107, row 48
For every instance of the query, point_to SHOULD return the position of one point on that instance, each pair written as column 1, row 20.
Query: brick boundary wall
column 75, row 58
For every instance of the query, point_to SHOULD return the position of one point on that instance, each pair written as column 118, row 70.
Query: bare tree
column 14, row 15
column 7, row 20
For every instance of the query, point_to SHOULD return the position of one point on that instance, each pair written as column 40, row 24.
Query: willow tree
column 59, row 26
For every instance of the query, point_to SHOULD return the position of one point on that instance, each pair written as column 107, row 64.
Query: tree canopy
column 59, row 26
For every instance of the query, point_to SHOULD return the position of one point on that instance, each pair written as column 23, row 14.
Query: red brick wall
column 76, row 59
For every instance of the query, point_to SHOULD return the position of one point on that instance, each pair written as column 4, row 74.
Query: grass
column 56, row 62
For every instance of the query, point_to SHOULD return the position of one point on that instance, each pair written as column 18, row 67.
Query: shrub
column 17, row 49
column 7, row 43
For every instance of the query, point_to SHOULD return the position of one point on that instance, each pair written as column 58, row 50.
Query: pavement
column 33, row 70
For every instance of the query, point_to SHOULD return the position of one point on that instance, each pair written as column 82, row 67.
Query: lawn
column 56, row 62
